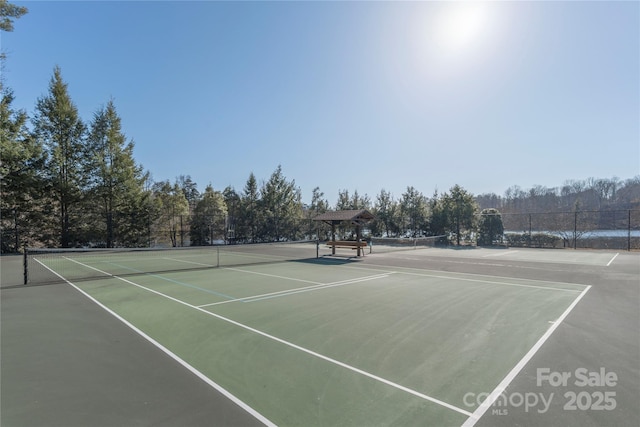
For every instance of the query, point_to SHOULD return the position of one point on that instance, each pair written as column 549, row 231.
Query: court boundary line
column 420, row 254
column 502, row 386
column 520, row 285
column 282, row 341
column 168, row 352
column 434, row 273
column 317, row 286
column 614, row 257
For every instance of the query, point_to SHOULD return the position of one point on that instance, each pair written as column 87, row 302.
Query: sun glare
column 460, row 25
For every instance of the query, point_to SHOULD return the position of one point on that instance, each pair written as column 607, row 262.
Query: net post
column 25, row 265
column 317, row 248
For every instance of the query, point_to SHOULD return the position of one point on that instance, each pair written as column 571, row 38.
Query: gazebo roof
column 359, row 216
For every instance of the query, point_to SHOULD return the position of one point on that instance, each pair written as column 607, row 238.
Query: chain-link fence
column 615, row 229
column 141, row 229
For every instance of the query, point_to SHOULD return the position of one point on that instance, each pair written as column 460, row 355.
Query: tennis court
column 296, row 339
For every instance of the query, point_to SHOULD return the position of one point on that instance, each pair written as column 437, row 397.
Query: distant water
column 586, row 234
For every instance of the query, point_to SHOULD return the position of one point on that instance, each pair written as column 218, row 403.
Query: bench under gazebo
column 354, row 217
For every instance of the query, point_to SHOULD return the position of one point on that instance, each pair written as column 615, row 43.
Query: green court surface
column 335, row 342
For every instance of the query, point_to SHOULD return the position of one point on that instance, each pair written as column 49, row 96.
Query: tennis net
column 389, row 244
column 51, row 265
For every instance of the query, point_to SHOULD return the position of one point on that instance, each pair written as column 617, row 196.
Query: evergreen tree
column 172, row 207
column 21, row 159
column 344, row 200
column 385, row 211
column 355, row 201
column 59, row 129
column 281, row 207
column 250, row 214
column 9, row 12
column 117, row 183
column 20, row 181
column 190, row 190
column 460, row 208
column 438, row 221
column 413, row 208
column 234, row 208
column 208, row 218
column 319, row 204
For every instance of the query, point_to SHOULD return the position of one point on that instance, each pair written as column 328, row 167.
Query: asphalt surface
column 67, row 362
column 598, row 339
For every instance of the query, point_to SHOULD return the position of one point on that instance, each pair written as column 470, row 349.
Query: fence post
column 17, row 233
column 629, row 231
column 25, row 265
column 181, row 232
column 575, row 230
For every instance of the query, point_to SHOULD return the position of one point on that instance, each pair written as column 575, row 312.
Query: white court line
column 290, row 291
column 292, row 345
column 614, row 257
column 316, row 285
column 464, row 279
column 500, row 254
column 317, row 288
column 430, row 273
column 165, row 350
column 495, row 394
column 273, row 275
column 189, row 262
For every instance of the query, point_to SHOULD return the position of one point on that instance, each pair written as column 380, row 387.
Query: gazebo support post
column 333, row 238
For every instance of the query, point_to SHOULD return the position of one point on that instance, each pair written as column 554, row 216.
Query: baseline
column 476, row 278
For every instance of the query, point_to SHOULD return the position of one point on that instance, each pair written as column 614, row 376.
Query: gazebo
column 355, row 217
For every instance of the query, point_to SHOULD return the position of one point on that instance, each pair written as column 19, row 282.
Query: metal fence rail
column 604, row 229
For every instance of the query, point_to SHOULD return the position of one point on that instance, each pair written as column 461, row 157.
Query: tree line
column 591, row 194
column 67, row 183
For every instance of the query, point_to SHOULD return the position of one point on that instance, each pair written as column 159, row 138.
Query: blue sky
column 350, row 95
